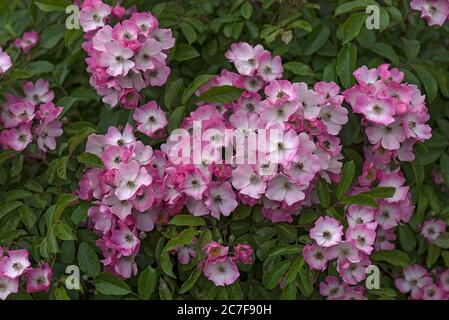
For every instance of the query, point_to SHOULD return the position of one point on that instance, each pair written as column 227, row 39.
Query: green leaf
column 187, row 220
column 294, row 269
column 445, row 255
column 172, row 90
column 351, row 27
column 284, row 250
column 305, row 282
column 108, row 284
column 289, row 292
column 27, row 216
column 428, row 80
column 7, row 207
column 165, row 292
column 298, row 68
column 52, row 35
column 17, row 165
column 346, row 179
column 411, row 48
column 242, row 212
column 360, row 200
column 90, row 160
column 287, row 232
column 184, row 52
column 67, row 103
column 63, row 231
column 183, row 238
column 17, row 195
column 158, row 9
column 63, row 202
column 190, row 282
column 379, row 192
column 323, row 192
column 394, row 257
column 40, row 67
column 444, row 167
column 271, row 278
column 246, row 10
column 176, row 118
column 61, row 294
column 443, row 240
column 147, row 283
column 52, row 5
column 385, row 50
column 316, row 39
column 346, row 63
column 71, row 35
column 407, row 238
column 194, row 86
column 433, row 253
column 222, row 94
column 300, row 24
column 166, row 264
column 353, row 5
column 88, row 260
column 188, row 32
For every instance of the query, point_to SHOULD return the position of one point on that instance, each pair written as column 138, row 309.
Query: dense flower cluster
column 394, row 112
column 278, row 170
column 35, row 113
column 395, row 117
column 13, row 265
column 126, row 195
column 28, row 41
column 334, row 289
column 5, row 62
column 126, row 57
column 435, row 12
column 220, row 267
column 420, row 284
column 369, row 229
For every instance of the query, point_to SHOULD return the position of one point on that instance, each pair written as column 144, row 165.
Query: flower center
column 41, row 280
column 361, row 240
column 130, row 184
column 318, row 255
column 17, row 266
column 253, row 179
column 119, row 59
column 129, row 237
column 22, row 137
column 218, row 199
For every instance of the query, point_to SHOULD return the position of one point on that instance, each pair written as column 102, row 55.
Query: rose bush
column 122, row 127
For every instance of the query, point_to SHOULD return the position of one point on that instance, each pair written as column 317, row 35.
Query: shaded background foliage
column 317, row 40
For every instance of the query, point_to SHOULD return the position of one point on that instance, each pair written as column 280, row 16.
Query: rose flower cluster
column 368, row 229
column 13, row 265
column 35, row 113
column 435, row 12
column 395, row 117
column 289, row 133
column 393, row 112
column 220, row 267
column 420, row 284
column 126, row 195
column 126, row 57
